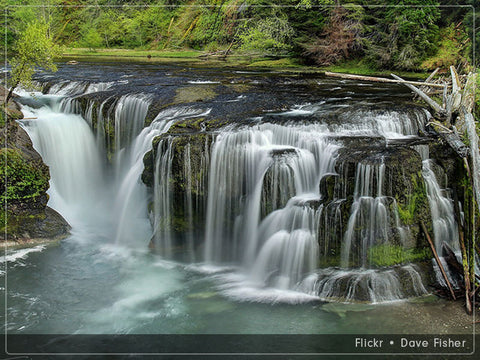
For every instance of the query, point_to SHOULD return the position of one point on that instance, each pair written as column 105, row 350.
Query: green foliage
column 24, row 181
column 477, row 101
column 2, row 116
column 91, row 38
column 269, row 36
column 340, row 38
column 451, row 50
column 408, row 212
column 402, row 36
column 389, row 255
column 33, row 49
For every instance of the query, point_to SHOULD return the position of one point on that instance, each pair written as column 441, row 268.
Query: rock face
column 26, row 214
column 399, row 187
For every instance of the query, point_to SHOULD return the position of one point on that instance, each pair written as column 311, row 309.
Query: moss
column 194, row 93
column 389, row 255
column 409, row 211
column 240, row 87
column 2, row 116
column 24, row 180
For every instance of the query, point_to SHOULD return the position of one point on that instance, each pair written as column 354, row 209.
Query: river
column 245, row 265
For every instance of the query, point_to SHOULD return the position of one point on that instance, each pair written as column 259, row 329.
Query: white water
column 82, row 188
column 72, row 88
column 162, row 189
column 372, row 212
column 239, row 163
column 264, row 200
column 441, row 208
column 78, row 181
column 371, row 285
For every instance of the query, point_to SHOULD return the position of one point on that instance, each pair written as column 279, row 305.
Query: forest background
column 409, row 35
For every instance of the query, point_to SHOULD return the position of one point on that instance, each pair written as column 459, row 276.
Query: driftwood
column 435, row 107
column 437, row 259
column 219, row 53
column 432, row 75
column 451, row 259
column 379, row 79
column 429, row 90
column 451, row 137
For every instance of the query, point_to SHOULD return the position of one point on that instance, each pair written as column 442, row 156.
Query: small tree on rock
column 33, row 49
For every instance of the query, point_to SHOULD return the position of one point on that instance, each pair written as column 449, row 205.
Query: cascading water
column 441, row 208
column 72, row 88
column 268, row 208
column 240, row 161
column 243, row 203
column 67, row 145
column 80, row 181
column 266, row 212
column 372, row 212
column 445, row 227
column 163, row 212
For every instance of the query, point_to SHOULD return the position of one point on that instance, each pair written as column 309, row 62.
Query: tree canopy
column 33, row 49
column 400, row 34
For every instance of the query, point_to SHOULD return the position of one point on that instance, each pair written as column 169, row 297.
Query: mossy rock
column 25, row 182
column 189, row 171
column 24, row 188
column 27, row 225
column 385, row 255
column 195, row 93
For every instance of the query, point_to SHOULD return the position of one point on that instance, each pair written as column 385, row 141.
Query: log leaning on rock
column 437, row 259
column 438, row 110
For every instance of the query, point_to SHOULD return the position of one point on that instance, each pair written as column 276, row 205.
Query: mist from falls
column 267, row 213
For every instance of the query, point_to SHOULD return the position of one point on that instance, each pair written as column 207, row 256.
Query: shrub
column 23, row 180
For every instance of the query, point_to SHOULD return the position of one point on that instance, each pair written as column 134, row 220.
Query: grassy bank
column 236, row 59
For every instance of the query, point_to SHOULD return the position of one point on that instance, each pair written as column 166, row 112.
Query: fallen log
column 439, row 112
column 451, row 137
column 379, row 79
column 437, row 259
column 214, row 53
column 432, row 75
column 451, row 259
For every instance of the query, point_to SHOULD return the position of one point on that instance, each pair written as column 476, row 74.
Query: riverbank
column 233, row 60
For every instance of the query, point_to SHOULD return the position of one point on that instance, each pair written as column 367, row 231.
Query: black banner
column 16, row 344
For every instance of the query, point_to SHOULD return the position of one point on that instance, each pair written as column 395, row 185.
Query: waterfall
column 72, row 88
column 365, row 285
column 81, row 178
column 272, row 201
column 390, row 124
column 163, row 198
column 132, row 200
column 282, row 247
column 163, row 192
column 373, row 213
column 67, row 145
column 441, row 207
